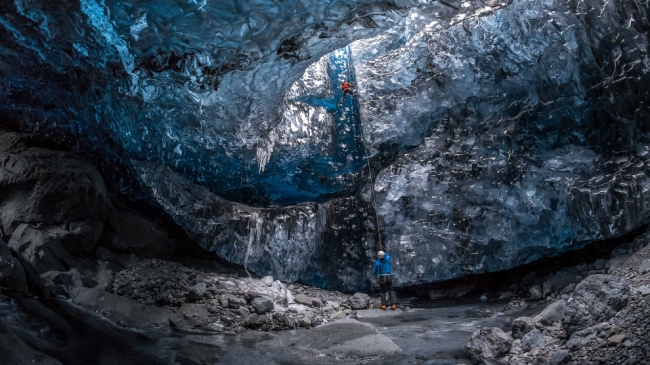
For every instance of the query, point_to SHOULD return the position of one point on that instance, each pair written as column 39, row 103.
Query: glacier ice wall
column 321, row 244
column 515, row 136
column 499, row 131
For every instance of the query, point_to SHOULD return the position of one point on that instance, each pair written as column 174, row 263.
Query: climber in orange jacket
column 347, row 89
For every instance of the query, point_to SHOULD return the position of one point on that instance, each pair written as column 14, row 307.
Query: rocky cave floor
column 597, row 314
column 593, row 313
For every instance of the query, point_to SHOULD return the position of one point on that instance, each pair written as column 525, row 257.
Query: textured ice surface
column 308, row 242
column 199, row 85
column 497, row 136
column 528, row 134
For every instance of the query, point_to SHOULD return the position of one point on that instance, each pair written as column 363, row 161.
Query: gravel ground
column 621, row 339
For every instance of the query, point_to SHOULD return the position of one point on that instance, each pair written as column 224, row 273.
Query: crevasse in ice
column 498, row 131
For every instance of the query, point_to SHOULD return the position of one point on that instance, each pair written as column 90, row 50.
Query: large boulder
column 561, row 280
column 16, row 352
column 41, row 249
column 44, row 186
column 489, row 343
column 521, row 326
column 12, row 274
column 262, row 305
column 551, row 314
column 197, row 291
column 582, row 337
column 596, row 299
column 532, row 339
column 128, row 230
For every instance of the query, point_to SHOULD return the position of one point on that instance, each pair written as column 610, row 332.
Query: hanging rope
column 372, row 188
column 365, row 148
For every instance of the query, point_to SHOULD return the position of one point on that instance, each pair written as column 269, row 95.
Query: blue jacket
column 382, row 265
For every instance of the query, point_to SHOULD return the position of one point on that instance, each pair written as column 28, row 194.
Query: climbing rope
column 372, row 187
column 365, row 148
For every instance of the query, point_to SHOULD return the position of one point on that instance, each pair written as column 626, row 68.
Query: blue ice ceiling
column 332, row 169
column 498, row 131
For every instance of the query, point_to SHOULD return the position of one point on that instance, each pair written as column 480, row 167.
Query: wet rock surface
column 601, row 320
column 50, row 187
column 595, row 299
column 12, row 274
column 489, row 343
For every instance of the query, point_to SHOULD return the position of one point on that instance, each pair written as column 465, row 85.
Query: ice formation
column 498, row 131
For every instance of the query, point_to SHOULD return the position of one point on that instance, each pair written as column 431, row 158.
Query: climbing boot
column 393, row 307
column 383, row 307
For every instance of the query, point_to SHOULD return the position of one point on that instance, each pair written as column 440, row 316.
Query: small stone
column 535, row 293
column 333, row 303
column 532, row 339
column 337, row 315
column 223, row 301
column 599, row 264
column 149, row 300
column 197, row 291
column 506, row 295
column 359, row 301
column 490, row 343
column 547, row 288
column 262, row 305
column 256, row 322
column 304, row 322
column 569, row 288
column 161, row 299
column 561, row 357
column 267, row 280
column 243, row 311
column 644, row 290
column 233, row 301
column 645, row 266
column 540, row 360
column 515, row 349
column 616, row 338
column 304, row 300
column 521, row 326
column 483, row 298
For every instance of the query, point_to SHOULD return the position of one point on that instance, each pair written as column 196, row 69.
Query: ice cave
column 194, row 182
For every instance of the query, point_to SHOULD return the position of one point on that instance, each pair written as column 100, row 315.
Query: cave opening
column 330, row 169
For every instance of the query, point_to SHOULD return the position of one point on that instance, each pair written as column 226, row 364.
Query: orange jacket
column 346, row 85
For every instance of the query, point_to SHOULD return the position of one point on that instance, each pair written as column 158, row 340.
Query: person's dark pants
column 345, row 92
column 386, row 289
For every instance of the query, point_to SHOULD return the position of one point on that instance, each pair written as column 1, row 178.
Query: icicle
column 253, row 236
column 265, row 149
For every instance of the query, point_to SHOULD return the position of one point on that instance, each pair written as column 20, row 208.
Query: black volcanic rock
column 595, row 299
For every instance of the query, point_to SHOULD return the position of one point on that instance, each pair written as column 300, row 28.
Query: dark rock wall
column 55, row 212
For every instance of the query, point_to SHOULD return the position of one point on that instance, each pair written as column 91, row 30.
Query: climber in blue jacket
column 382, row 267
